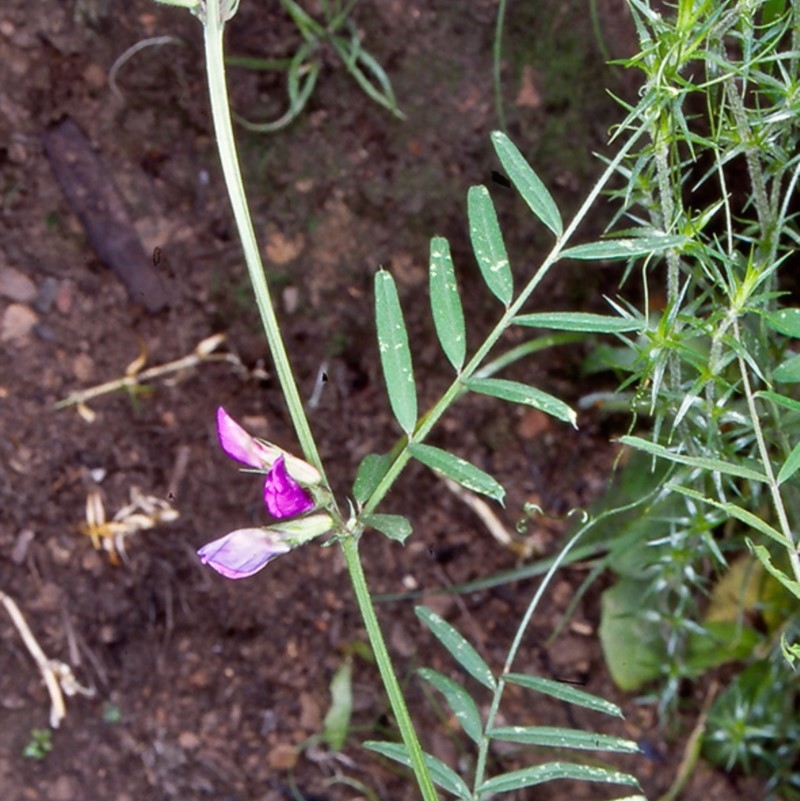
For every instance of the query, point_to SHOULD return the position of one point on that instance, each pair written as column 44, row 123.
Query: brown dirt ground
column 203, row 687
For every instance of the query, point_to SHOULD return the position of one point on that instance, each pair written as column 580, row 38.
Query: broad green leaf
column 459, row 648
column 712, row 465
column 441, row 774
column 789, row 371
column 395, row 353
column 763, row 556
column 460, row 470
column 540, row 774
column 790, row 466
column 515, row 392
column 371, row 471
column 564, row 692
column 528, row 184
column 448, row 315
column 487, row 242
column 785, row 321
column 619, row 249
column 396, row 527
column 781, row 400
column 717, row 643
column 745, row 516
column 632, row 644
column 559, row 737
column 459, row 700
column 337, row 721
column 579, row 321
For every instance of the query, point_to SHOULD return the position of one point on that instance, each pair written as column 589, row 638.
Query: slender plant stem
column 390, row 683
column 772, row 482
column 497, row 54
column 233, row 179
column 226, row 144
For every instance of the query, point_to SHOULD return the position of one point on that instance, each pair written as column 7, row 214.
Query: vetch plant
column 298, row 493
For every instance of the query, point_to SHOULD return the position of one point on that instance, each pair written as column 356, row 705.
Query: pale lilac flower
column 243, row 552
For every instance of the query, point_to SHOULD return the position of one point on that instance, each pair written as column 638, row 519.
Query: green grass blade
column 515, row 392
column 712, row 465
column 527, row 182
column 448, row 314
column 460, row 470
column 744, row 515
column 790, row 466
column 395, row 352
column 459, row 700
column 579, row 321
column 487, row 242
column 459, row 648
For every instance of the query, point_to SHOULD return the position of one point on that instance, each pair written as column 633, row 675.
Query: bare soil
column 205, row 688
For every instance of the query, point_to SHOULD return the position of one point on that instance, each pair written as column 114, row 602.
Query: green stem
column 390, row 683
column 772, row 482
column 220, row 108
column 226, row 144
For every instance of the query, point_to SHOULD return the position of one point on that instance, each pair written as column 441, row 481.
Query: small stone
column 280, row 248
column 283, row 757
column 532, row 423
column 95, row 76
column 17, row 323
column 62, row 789
column 401, row 641
column 46, row 296
column 65, row 297
column 15, row 285
column 83, row 367
column 291, row 297
column 188, row 740
column 310, row 713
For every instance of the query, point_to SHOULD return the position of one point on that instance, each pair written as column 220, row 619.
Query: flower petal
column 242, row 552
column 239, row 445
column 283, row 496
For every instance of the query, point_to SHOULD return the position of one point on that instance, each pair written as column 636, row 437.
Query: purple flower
column 246, row 550
column 283, row 496
column 243, row 552
column 243, row 447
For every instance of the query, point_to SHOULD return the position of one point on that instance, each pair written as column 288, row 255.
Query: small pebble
column 65, row 298
column 17, row 323
column 46, row 296
column 15, row 285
